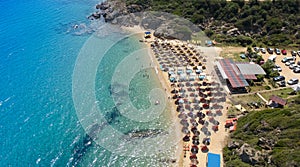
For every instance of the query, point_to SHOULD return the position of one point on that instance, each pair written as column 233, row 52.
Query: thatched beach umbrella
column 182, row 115
column 174, row 91
column 215, row 128
column 194, row 149
column 215, row 122
column 195, row 137
column 186, row 138
column 196, row 105
column 211, row 119
column 201, row 115
column 206, row 141
column 194, row 123
column 219, row 112
column 196, row 142
column 204, row 129
column 194, row 129
column 184, row 123
column 201, row 121
column 193, row 156
column 207, row 133
column 209, row 113
column 185, row 130
column 204, row 149
column 197, row 133
column 205, row 106
column 188, row 84
column 192, row 115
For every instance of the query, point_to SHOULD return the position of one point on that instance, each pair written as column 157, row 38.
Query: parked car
column 272, row 58
column 277, row 51
column 256, row 49
column 277, row 68
column 296, row 70
column 263, row 50
column 290, row 62
column 281, row 83
column 284, row 52
column 270, row 50
column 279, row 78
column 293, row 81
column 293, row 53
column 286, row 59
column 292, row 66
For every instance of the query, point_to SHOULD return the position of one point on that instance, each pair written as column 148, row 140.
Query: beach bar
column 213, row 160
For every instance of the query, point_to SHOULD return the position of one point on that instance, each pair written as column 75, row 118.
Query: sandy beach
column 213, row 123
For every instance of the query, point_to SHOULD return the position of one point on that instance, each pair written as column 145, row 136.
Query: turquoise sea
column 46, row 109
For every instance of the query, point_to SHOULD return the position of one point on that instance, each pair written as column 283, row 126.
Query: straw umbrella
column 194, row 129
column 219, row 112
column 201, row 121
column 206, row 141
column 205, row 106
column 185, row 130
column 192, row 115
column 215, row 128
column 207, row 133
column 184, row 123
column 193, row 156
column 204, row 149
column 194, row 149
column 186, row 138
column 182, row 115
column 197, row 133
column 209, row 113
column 204, row 129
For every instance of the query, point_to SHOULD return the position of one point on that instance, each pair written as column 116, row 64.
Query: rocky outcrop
column 266, row 144
column 250, row 155
column 233, row 145
column 109, row 10
column 164, row 25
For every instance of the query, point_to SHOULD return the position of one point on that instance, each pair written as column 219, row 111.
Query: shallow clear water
column 39, row 124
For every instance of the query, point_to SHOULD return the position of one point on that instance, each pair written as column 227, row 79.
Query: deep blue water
column 37, row 55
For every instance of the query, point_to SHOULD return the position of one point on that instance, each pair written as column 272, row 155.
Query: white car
column 289, row 63
column 293, row 81
column 292, row 66
column 277, row 51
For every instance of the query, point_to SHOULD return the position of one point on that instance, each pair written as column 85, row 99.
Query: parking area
column 286, row 71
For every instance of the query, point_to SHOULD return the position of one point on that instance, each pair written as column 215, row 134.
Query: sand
column 217, row 139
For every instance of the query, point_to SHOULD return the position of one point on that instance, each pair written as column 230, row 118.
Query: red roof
column 278, row 100
column 235, row 78
column 250, row 76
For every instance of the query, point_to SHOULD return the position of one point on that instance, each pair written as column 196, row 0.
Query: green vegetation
column 272, row 23
column 279, row 125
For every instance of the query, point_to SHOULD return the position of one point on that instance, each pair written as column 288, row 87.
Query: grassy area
column 284, row 93
column 234, row 56
column 246, row 100
column 258, row 86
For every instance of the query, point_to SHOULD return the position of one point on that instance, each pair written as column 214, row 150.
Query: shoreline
column 218, row 139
